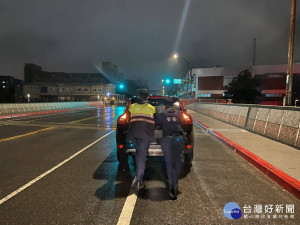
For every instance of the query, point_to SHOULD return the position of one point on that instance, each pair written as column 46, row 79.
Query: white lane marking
column 126, row 214
column 51, row 170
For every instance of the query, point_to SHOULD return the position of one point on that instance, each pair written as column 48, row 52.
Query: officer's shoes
column 140, row 185
column 173, row 191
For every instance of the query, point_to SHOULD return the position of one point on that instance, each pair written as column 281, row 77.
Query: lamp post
column 28, row 97
column 176, row 56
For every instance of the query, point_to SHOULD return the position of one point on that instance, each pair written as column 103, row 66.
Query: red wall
column 210, row 83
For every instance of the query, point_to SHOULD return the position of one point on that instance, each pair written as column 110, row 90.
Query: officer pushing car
column 172, row 144
column 141, row 131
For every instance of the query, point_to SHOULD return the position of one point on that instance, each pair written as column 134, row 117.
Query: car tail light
column 123, row 118
column 187, row 118
column 120, row 146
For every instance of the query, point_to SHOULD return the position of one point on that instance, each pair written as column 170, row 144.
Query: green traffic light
column 168, row 81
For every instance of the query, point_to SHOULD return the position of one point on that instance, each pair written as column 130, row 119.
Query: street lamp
column 176, row 56
column 28, row 97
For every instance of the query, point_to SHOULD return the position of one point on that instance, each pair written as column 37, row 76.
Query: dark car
column 126, row 147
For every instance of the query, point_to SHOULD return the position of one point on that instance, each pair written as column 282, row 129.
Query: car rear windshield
column 161, row 102
column 157, row 101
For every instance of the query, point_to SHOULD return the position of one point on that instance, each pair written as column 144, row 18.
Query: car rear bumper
column 154, row 150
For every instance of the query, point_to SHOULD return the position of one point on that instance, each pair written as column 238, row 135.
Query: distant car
column 125, row 147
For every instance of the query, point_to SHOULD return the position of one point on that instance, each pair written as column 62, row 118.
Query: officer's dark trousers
column 172, row 148
column 142, row 146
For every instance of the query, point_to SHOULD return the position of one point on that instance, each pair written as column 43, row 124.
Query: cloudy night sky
column 140, row 35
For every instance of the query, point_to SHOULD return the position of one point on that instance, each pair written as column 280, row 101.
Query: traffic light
column 167, row 81
column 120, row 88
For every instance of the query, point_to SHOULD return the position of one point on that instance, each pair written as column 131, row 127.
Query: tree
column 243, row 88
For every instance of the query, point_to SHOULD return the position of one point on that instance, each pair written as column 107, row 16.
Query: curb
column 284, row 180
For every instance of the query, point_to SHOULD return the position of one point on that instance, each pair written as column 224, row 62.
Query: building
column 208, row 84
column 59, row 86
column 10, row 89
column 34, row 73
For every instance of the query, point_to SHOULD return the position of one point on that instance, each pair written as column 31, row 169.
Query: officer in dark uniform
column 172, row 144
column 141, row 130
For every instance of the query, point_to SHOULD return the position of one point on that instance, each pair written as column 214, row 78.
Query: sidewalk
column 278, row 161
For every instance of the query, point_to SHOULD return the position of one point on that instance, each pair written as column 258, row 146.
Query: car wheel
column 187, row 158
column 122, row 156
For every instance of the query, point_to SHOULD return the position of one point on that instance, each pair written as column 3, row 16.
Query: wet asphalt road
column 91, row 187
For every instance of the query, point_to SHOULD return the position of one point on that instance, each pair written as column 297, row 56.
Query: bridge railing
column 278, row 123
column 19, row 108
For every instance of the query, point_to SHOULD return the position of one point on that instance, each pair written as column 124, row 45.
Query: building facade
column 208, row 84
column 10, row 89
column 59, row 86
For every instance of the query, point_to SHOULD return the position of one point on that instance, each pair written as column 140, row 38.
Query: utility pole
column 289, row 78
column 254, row 51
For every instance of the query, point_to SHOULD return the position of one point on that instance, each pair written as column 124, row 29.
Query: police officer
column 172, row 144
column 141, row 130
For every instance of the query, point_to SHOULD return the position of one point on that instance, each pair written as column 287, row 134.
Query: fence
column 279, row 123
column 19, row 108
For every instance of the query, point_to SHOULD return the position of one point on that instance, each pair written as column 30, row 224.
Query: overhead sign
column 177, row 81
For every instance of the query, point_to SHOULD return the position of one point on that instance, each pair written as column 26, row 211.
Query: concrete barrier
column 22, row 108
column 278, row 123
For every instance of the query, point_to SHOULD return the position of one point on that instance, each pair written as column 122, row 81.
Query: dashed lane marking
column 27, row 134
column 51, row 170
column 126, row 214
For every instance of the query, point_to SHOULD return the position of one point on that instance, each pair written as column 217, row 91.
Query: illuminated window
column 204, row 95
column 273, row 95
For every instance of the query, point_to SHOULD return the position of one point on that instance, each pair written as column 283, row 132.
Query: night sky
column 140, row 35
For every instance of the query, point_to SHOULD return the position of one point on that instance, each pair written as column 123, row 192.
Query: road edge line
column 50, row 170
column 284, row 180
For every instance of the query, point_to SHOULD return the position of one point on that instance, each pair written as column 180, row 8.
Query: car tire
column 187, row 158
column 122, row 156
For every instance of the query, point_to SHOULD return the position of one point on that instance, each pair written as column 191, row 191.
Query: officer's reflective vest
column 142, row 120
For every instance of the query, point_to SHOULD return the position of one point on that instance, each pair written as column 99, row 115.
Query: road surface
column 62, row 169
